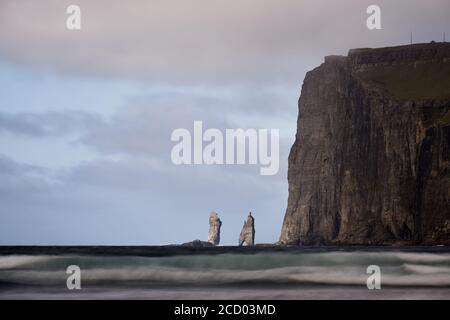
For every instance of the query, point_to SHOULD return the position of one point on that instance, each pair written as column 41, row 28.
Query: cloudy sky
column 86, row 116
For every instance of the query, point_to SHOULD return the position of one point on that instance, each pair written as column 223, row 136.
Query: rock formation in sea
column 197, row 244
column 214, row 228
column 213, row 234
column 247, row 235
column 371, row 159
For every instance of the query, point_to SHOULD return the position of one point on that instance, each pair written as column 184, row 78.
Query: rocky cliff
column 371, row 159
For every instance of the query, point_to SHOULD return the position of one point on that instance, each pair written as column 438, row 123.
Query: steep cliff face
column 371, row 160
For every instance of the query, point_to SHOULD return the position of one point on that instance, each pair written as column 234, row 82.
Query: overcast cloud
column 206, row 40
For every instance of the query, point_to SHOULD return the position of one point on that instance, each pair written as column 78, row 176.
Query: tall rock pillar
column 214, row 228
column 247, row 235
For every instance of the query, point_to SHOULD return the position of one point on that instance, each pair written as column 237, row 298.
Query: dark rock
column 247, row 235
column 371, row 159
column 198, row 244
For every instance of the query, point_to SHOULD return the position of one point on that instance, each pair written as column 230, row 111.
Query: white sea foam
column 15, row 261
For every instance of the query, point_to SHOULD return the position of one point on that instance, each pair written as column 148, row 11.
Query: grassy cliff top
column 413, row 72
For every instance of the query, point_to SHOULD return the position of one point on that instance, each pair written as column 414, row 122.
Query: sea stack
column 214, row 228
column 371, row 159
column 247, row 235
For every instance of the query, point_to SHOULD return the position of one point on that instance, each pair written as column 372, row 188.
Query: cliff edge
column 371, row 159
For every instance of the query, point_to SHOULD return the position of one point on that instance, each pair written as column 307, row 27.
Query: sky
column 86, row 115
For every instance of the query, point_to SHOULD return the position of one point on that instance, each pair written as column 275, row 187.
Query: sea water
column 297, row 275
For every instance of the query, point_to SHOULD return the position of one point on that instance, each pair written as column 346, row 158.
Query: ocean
column 185, row 273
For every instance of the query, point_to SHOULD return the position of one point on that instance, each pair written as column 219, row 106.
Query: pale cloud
column 47, row 124
column 132, row 201
column 206, row 40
